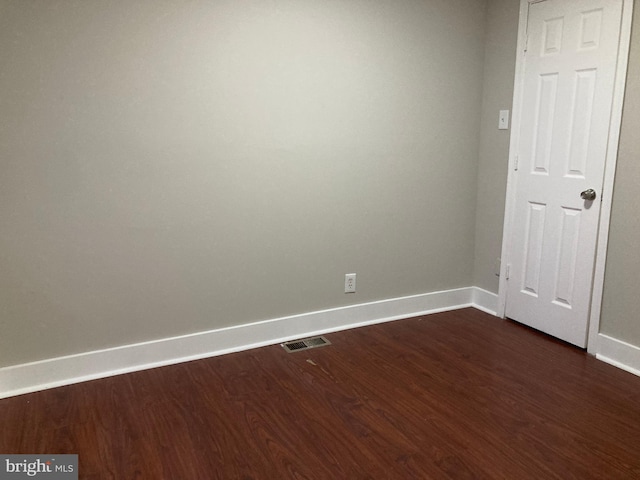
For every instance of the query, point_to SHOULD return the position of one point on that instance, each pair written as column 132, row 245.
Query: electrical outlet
column 503, row 120
column 350, row 283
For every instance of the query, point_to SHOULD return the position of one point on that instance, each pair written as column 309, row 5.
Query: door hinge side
column 515, row 162
column 507, row 271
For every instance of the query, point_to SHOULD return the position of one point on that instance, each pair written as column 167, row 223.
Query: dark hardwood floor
column 452, row 395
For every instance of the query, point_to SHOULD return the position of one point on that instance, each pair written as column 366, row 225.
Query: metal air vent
column 305, row 344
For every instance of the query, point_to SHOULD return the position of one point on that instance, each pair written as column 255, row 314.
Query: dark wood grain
column 453, row 395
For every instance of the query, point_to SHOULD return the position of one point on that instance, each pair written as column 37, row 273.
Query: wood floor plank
column 453, row 395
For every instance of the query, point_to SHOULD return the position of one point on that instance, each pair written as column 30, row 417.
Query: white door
column 568, row 82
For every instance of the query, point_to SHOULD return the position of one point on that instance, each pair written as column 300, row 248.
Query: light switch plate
column 503, row 120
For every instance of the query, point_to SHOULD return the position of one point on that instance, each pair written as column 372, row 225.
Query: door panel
column 534, row 237
column 569, row 74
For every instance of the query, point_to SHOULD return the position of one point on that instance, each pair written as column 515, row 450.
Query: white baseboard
column 484, row 300
column 618, row 353
column 55, row 372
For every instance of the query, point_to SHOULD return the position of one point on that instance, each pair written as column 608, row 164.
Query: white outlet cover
column 503, row 120
column 350, row 283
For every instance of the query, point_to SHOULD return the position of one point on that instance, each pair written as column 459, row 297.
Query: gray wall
column 170, row 167
column 493, row 158
column 621, row 302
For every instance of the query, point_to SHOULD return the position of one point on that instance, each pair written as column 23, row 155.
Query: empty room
column 319, row 239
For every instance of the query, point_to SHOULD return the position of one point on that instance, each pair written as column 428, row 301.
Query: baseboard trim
column 618, row 353
column 55, row 372
column 484, row 300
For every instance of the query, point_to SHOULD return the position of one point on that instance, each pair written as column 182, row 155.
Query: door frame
column 609, row 169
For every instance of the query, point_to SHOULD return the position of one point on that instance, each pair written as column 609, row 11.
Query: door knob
column 589, row 194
